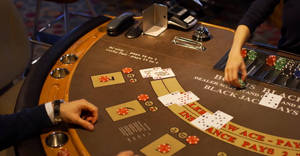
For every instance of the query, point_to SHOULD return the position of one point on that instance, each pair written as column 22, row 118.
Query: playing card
column 146, row 73
column 168, row 99
column 186, row 98
column 219, row 119
column 203, row 122
column 270, row 100
column 162, row 73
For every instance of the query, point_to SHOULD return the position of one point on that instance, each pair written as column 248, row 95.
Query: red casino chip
column 104, row 78
column 123, row 111
column 192, row 140
column 127, row 70
column 143, row 97
column 271, row 60
column 164, row 148
column 244, row 52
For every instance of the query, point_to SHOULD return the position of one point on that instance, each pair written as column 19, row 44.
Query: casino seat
column 45, row 39
column 15, row 52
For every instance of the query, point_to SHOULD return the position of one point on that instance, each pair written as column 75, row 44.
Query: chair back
column 15, row 53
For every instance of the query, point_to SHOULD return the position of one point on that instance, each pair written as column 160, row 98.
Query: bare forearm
column 235, row 62
column 240, row 37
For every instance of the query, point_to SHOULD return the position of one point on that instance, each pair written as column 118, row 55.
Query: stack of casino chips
column 164, row 148
column 242, row 83
column 249, row 56
column 192, row 140
column 297, row 72
column 289, row 68
column 271, row 60
column 280, row 63
column 244, row 52
column 252, row 55
column 143, row 97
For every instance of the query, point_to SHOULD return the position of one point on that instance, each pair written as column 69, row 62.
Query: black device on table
column 181, row 17
column 120, row 24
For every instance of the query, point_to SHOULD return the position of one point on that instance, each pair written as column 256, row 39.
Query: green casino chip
column 242, row 83
column 280, row 63
column 279, row 67
column 252, row 55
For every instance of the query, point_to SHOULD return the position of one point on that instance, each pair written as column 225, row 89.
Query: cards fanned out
column 216, row 120
column 157, row 73
column 178, row 98
column 270, row 100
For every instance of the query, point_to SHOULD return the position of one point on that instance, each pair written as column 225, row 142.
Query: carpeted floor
column 219, row 12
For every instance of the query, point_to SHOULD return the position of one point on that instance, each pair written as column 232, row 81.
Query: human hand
column 126, row 153
column 70, row 113
column 235, row 63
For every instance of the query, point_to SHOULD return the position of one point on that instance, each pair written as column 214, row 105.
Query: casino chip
column 280, row 63
column 271, row 60
column 127, row 70
column 123, row 111
column 192, row 140
column 244, row 52
column 164, row 148
column 242, row 83
column 297, row 72
column 252, row 55
column 143, row 97
column 104, row 78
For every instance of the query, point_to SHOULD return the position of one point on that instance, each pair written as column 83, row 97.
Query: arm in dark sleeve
column 257, row 13
column 22, row 125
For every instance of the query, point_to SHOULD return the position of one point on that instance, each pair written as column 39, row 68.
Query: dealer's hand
column 70, row 113
column 235, row 63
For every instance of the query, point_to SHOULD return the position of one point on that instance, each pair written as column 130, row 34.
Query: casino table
column 147, row 126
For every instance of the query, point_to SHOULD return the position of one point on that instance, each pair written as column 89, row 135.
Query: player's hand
column 235, row 63
column 70, row 113
column 126, row 153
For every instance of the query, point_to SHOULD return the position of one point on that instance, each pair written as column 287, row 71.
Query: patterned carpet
column 220, row 13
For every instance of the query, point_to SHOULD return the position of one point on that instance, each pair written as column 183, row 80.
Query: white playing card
column 186, row 98
column 146, row 73
column 168, row 99
column 270, row 100
column 162, row 73
column 203, row 122
column 220, row 119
